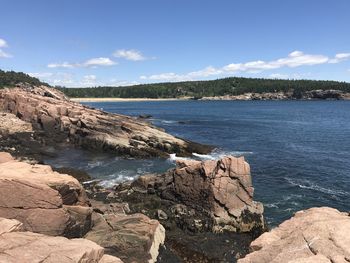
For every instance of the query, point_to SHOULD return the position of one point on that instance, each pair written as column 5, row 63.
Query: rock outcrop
column 289, row 95
column 315, row 235
column 17, row 246
column 210, row 195
column 44, row 201
column 63, row 120
column 133, row 238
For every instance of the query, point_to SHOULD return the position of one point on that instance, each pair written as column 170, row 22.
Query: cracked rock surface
column 43, row 200
column 219, row 193
column 316, row 235
column 63, row 120
column 28, row 247
column 133, row 238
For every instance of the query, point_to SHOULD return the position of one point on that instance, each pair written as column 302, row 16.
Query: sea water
column 299, row 151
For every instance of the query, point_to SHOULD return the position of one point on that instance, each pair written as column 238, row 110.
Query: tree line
column 11, row 78
column 198, row 89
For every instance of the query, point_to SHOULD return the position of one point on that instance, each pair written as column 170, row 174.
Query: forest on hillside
column 11, row 78
column 196, row 89
column 219, row 87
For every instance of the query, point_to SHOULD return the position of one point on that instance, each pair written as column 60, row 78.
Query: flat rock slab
column 315, row 235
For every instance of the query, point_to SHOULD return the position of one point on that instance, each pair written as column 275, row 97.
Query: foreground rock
column 16, row 246
column 217, row 195
column 315, row 235
column 63, row 120
column 202, row 205
column 44, row 201
column 133, row 238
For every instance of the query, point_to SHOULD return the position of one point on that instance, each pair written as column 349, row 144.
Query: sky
column 84, row 43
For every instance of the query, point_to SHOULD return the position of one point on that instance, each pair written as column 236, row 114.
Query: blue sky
column 110, row 42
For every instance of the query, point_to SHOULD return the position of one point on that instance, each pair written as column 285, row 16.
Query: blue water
column 299, row 151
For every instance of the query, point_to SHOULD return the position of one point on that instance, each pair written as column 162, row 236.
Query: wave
column 215, row 155
column 174, row 158
column 168, row 121
column 306, row 184
column 117, row 178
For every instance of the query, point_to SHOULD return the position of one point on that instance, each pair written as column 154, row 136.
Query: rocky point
column 63, row 120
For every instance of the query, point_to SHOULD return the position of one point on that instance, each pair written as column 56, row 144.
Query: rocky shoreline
column 200, row 211
column 291, row 95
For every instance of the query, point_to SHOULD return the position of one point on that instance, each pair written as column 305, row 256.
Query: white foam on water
column 272, row 205
column 306, row 184
column 119, row 177
column 95, row 164
column 215, row 155
column 168, row 121
column 174, row 158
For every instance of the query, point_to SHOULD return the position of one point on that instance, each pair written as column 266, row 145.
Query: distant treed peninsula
column 212, row 88
column 232, row 86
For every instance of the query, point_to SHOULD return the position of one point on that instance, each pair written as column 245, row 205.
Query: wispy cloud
column 129, row 54
column 339, row 58
column 3, row 44
column 93, row 62
column 89, row 80
column 293, row 60
column 71, row 80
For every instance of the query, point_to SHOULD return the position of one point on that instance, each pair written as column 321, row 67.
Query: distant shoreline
column 125, row 99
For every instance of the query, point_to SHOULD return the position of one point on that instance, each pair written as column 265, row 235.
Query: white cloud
column 130, row 54
column 293, row 60
column 279, row 76
column 40, row 74
column 339, row 58
column 89, row 80
column 3, row 54
column 62, row 65
column 94, row 62
column 3, row 44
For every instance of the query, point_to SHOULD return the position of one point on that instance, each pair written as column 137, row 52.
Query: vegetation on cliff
column 11, row 78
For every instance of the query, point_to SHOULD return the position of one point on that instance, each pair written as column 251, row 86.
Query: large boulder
column 17, row 246
column 61, row 119
column 133, row 238
column 315, row 235
column 219, row 192
column 44, row 201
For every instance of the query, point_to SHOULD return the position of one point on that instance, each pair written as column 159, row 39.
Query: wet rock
column 44, row 201
column 161, row 215
column 313, row 235
column 64, row 120
column 145, row 116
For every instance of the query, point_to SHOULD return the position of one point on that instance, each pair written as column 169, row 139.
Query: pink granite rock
column 315, row 235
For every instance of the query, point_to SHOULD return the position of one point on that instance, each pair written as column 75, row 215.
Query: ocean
column 299, row 151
